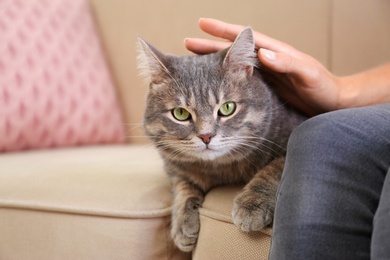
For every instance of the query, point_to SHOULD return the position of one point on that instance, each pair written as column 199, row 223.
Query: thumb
column 276, row 61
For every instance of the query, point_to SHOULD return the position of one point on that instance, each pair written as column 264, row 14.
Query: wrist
column 347, row 94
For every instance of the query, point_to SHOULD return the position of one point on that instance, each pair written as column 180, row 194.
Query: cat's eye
column 181, row 114
column 227, row 109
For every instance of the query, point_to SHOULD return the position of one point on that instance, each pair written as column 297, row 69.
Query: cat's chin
column 209, row 155
column 217, row 156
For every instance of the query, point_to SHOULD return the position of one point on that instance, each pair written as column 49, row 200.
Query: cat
column 215, row 122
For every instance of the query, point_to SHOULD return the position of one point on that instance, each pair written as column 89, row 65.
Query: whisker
column 259, row 138
column 132, row 124
column 278, row 107
column 140, row 136
column 240, row 149
column 132, row 127
column 269, row 141
column 256, row 143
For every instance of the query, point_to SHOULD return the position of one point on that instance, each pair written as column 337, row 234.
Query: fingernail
column 201, row 19
column 269, row 55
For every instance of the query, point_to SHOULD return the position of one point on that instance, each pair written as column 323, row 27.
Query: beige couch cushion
column 219, row 238
column 109, row 202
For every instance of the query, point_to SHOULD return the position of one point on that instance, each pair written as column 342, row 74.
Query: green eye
column 181, row 114
column 227, row 109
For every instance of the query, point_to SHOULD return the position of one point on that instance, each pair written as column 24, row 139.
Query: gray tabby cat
column 215, row 122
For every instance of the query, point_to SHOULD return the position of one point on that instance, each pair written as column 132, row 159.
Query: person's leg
column 335, row 168
column 380, row 244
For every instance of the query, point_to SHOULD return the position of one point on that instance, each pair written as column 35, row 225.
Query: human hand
column 310, row 87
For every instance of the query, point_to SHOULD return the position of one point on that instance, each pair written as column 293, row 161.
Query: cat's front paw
column 185, row 229
column 252, row 212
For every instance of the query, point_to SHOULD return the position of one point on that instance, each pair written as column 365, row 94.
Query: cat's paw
column 185, row 229
column 251, row 212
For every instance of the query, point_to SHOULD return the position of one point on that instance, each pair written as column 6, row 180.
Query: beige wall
column 360, row 36
column 346, row 36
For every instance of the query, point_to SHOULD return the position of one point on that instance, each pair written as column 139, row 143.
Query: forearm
column 366, row 88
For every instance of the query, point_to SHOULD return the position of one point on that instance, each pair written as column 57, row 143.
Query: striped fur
column 247, row 147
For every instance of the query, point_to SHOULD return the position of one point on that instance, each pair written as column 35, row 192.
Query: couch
column 78, row 178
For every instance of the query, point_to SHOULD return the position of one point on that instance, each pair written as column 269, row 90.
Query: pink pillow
column 55, row 87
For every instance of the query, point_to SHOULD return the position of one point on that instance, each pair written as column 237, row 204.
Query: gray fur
column 248, row 146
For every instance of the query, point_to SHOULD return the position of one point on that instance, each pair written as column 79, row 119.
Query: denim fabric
column 334, row 198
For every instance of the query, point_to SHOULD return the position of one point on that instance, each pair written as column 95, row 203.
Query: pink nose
column 206, row 138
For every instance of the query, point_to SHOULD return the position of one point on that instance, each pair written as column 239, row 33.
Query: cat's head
column 205, row 107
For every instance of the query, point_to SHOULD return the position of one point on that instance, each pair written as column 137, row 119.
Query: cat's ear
column 241, row 57
column 151, row 63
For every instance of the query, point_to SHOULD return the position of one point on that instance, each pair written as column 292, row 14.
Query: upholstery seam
column 91, row 212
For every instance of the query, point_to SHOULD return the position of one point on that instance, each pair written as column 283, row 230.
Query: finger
column 230, row 31
column 204, row 46
column 220, row 29
column 273, row 60
column 284, row 63
column 302, row 68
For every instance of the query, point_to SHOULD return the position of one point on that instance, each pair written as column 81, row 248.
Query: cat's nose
column 206, row 138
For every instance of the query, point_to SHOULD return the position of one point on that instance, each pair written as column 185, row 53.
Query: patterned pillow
column 55, row 87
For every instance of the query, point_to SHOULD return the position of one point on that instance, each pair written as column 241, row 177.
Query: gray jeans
column 334, row 197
